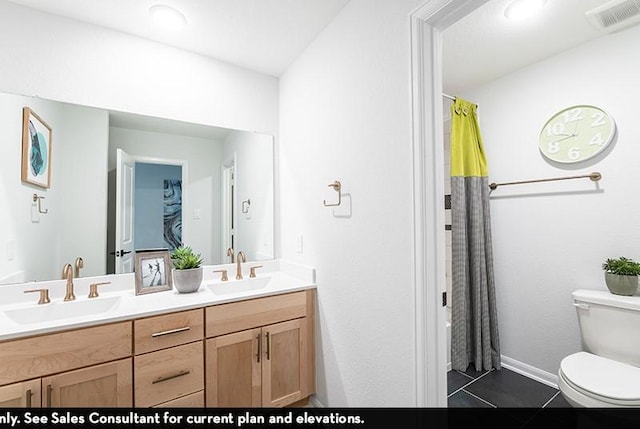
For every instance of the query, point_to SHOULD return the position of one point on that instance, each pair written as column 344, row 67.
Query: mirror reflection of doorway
column 147, row 208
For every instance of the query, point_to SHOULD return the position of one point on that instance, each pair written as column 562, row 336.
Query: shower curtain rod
column 595, row 176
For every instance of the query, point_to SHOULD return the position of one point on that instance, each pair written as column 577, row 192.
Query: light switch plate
column 11, row 249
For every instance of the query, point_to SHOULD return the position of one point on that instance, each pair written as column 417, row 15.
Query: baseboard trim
column 530, row 371
column 314, row 403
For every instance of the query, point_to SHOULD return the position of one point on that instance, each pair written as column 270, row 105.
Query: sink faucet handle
column 224, row 276
column 93, row 289
column 44, row 295
column 252, row 270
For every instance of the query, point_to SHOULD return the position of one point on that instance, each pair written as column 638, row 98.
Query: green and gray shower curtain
column 474, row 321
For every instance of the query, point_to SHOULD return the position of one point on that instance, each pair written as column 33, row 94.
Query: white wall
column 254, row 183
column 203, row 193
column 345, row 115
column 76, row 200
column 66, row 60
column 82, row 168
column 552, row 238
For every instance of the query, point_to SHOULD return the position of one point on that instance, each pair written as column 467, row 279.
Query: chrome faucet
column 239, row 258
column 79, row 264
column 67, row 273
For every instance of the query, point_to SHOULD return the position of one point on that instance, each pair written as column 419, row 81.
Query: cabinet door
column 285, row 364
column 21, row 395
column 106, row 385
column 233, row 370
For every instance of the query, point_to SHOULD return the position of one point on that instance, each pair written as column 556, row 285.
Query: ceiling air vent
column 615, row 15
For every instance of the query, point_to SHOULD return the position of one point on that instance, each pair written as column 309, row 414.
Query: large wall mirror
column 121, row 182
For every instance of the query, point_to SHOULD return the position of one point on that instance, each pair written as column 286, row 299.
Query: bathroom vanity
column 235, row 343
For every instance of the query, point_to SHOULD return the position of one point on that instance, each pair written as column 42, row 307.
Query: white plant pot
column 187, row 281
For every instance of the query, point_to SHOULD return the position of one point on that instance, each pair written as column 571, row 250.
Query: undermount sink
column 62, row 310
column 238, row 286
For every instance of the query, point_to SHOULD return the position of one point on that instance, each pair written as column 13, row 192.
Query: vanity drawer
column 195, row 400
column 52, row 353
column 238, row 316
column 168, row 330
column 168, row 374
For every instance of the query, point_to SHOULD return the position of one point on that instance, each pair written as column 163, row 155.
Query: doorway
column 427, row 24
column 146, row 207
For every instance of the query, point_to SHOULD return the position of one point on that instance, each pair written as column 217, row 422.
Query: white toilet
column 607, row 372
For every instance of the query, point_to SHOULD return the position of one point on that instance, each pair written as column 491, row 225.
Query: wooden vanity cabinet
column 105, row 385
column 260, row 352
column 99, row 386
column 169, row 360
column 88, row 367
column 255, row 353
column 26, row 394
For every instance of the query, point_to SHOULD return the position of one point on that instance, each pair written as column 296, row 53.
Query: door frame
column 427, row 23
column 229, row 205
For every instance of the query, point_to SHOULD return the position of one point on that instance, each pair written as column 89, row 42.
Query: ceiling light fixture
column 167, row 17
column 522, row 9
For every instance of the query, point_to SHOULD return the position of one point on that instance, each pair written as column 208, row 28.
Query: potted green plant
column 621, row 275
column 187, row 269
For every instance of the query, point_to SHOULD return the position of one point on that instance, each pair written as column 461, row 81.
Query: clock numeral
column 553, row 147
column 574, row 153
column 573, row 115
column 597, row 139
column 599, row 119
column 555, row 129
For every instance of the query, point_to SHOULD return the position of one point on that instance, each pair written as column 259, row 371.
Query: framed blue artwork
column 36, row 149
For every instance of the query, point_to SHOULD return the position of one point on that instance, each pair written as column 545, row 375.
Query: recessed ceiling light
column 522, row 9
column 167, row 17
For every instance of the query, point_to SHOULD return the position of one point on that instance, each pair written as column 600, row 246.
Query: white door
column 125, row 182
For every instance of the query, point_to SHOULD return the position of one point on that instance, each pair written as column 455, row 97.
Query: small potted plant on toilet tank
column 187, row 269
column 621, row 275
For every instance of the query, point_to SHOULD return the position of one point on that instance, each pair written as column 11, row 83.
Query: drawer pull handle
column 28, row 398
column 169, row 332
column 170, row 377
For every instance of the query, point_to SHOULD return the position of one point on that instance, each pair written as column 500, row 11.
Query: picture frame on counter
column 152, row 271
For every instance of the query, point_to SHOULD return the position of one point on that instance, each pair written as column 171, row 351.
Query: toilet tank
column 609, row 324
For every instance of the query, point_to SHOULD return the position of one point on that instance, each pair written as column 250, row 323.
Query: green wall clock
column 576, row 133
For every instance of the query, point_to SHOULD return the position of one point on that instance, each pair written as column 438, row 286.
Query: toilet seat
column 599, row 381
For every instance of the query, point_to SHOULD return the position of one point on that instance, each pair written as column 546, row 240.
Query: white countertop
column 118, row 301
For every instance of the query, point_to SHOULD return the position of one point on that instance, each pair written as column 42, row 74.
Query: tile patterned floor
column 500, row 389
